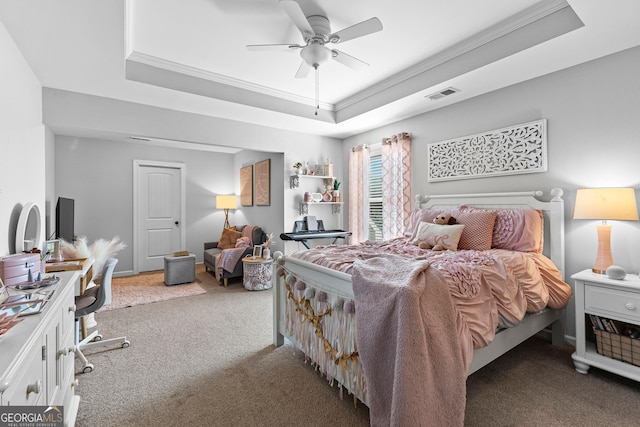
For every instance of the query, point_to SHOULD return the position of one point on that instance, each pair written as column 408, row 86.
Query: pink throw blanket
column 408, row 345
column 228, row 258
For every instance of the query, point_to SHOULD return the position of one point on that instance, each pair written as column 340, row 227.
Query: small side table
column 611, row 299
column 257, row 273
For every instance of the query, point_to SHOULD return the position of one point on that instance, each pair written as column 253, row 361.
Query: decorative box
column 15, row 268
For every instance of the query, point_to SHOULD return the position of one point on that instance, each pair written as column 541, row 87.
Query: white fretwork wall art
column 512, row 150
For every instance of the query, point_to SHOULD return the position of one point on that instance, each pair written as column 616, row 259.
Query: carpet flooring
column 208, row 360
column 147, row 288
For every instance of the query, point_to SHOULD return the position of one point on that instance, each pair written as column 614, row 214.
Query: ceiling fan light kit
column 316, row 32
column 316, row 55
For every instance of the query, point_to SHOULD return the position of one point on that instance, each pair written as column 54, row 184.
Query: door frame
column 137, row 164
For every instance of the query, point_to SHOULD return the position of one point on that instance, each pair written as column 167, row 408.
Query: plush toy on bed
column 442, row 219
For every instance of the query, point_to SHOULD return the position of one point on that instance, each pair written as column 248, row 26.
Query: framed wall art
column 512, row 150
column 263, row 183
column 246, row 185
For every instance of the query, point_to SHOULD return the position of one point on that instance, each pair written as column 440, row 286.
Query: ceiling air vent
column 441, row 94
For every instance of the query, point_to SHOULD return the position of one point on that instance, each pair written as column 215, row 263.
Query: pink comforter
column 490, row 289
column 420, row 314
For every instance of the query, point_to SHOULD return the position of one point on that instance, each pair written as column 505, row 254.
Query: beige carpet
column 208, row 360
column 149, row 287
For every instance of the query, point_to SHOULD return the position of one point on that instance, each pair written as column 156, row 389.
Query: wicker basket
column 619, row 347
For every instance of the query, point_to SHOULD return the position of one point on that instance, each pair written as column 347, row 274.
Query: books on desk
column 63, row 264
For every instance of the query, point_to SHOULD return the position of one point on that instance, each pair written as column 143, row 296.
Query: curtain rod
column 400, row 135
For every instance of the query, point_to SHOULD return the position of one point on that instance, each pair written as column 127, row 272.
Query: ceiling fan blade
column 303, row 70
column 296, row 15
column 348, row 60
column 357, row 30
column 288, row 47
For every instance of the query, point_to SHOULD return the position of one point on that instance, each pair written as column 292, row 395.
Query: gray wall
column 270, row 218
column 73, row 111
column 592, row 113
column 98, row 175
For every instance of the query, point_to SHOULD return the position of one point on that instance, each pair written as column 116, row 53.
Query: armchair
column 211, row 250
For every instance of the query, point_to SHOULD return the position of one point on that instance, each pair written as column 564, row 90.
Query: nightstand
column 611, row 299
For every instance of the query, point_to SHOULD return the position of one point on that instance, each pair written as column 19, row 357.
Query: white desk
column 84, row 266
column 37, row 357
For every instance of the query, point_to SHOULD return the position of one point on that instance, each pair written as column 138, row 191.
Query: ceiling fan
column 316, row 33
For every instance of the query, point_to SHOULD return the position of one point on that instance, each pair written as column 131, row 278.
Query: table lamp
column 605, row 204
column 226, row 203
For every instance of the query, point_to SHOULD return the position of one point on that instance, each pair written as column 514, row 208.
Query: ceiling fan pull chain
column 317, row 89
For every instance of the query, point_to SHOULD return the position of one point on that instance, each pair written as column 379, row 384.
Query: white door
column 158, row 213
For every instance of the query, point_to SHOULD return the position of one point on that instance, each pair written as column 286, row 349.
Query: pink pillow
column 478, row 231
column 519, row 230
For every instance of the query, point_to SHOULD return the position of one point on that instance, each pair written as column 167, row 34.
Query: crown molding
column 186, row 145
column 501, row 29
column 157, row 62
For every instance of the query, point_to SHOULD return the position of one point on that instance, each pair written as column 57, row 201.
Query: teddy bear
column 442, row 219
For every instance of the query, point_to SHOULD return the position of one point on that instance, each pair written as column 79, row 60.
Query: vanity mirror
column 28, row 229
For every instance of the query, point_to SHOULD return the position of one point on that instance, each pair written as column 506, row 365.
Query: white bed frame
column 339, row 283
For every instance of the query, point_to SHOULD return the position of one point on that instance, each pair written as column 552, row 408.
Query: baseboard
column 123, row 273
column 131, row 272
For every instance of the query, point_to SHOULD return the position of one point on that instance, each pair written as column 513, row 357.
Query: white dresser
column 37, row 355
column 612, row 299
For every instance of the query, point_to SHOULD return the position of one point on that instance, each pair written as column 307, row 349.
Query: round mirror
column 28, row 229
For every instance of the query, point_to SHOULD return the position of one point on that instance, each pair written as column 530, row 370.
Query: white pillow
column 432, row 234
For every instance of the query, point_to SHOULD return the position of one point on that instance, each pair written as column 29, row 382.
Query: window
column 375, row 193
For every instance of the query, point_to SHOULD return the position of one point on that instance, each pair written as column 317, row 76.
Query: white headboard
column 553, row 212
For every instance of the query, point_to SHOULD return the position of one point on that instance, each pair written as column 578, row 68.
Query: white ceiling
column 190, row 55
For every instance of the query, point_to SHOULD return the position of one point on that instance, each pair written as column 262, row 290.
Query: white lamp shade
column 606, row 203
column 227, row 202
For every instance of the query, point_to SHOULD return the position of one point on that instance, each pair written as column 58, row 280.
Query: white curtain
column 359, row 194
column 396, row 185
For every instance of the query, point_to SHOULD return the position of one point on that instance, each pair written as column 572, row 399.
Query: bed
column 342, row 318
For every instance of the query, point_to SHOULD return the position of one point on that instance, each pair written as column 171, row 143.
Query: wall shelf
column 336, row 207
column 294, row 180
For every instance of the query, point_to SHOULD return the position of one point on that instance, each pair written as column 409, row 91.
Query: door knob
column 177, row 222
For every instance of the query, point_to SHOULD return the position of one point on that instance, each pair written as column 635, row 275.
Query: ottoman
column 179, row 269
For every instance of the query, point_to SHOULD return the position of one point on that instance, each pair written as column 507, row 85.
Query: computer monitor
column 65, row 219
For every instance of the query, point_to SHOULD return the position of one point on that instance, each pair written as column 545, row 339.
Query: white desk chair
column 91, row 300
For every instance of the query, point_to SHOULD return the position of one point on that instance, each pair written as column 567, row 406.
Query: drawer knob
column 65, row 351
column 630, row 306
